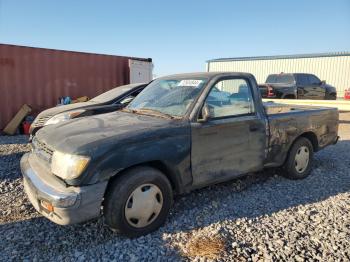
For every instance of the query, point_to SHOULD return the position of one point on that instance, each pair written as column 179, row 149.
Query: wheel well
column 289, row 97
column 313, row 139
column 154, row 164
column 308, row 135
column 165, row 170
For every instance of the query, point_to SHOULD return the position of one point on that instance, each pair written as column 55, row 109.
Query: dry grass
column 204, row 246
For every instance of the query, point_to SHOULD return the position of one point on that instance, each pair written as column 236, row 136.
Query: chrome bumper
column 71, row 204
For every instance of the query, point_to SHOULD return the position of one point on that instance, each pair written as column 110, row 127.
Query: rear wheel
column 138, row 202
column 299, row 160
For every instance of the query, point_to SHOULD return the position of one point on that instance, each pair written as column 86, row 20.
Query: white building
column 334, row 68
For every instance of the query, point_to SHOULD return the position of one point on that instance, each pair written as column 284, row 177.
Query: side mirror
column 126, row 100
column 205, row 114
column 323, row 82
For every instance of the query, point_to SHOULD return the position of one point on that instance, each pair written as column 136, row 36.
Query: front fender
column 172, row 151
column 330, row 89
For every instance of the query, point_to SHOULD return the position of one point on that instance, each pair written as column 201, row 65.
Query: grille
column 42, row 150
column 41, row 120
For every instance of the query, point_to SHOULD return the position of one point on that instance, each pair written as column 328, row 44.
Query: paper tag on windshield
column 189, row 82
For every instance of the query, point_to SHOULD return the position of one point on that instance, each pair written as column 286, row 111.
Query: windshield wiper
column 150, row 111
column 154, row 112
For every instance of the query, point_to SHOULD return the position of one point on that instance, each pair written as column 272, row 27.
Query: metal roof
column 72, row 51
column 280, row 57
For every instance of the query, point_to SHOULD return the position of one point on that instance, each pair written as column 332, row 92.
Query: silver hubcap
column 143, row 205
column 302, row 159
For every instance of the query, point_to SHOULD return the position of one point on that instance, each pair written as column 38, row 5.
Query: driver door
column 317, row 88
column 232, row 141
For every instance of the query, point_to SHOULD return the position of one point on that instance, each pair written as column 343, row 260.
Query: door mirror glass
column 205, row 114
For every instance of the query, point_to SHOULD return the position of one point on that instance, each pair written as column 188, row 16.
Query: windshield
column 112, row 94
column 282, row 78
column 168, row 96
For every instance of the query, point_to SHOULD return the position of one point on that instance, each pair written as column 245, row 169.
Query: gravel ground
column 262, row 216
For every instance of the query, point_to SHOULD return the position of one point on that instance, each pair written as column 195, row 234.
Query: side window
column 230, row 98
column 313, row 80
column 303, row 80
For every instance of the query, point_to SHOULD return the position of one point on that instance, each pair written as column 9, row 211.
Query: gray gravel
column 260, row 217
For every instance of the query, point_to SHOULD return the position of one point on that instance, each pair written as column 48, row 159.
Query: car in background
column 297, row 86
column 109, row 101
column 347, row 94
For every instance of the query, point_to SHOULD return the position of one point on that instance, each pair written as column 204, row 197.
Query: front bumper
column 70, row 204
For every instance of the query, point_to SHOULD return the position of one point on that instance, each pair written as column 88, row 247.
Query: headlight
column 63, row 117
column 68, row 166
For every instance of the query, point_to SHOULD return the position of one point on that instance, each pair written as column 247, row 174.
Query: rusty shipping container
column 39, row 76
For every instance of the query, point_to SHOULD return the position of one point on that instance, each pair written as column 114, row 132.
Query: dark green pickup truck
column 180, row 133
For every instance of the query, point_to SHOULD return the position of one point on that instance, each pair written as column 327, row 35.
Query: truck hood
column 84, row 135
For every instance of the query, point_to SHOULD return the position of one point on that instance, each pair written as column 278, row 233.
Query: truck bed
column 287, row 122
column 272, row 108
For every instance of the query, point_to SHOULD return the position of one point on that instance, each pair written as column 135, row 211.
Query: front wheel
column 331, row 96
column 299, row 160
column 138, row 202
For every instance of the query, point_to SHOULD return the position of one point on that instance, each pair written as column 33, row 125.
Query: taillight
column 270, row 91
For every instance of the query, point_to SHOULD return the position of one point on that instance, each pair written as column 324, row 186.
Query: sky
column 180, row 36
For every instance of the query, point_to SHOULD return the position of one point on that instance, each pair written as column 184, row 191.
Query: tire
column 138, row 202
column 289, row 97
column 299, row 159
column 331, row 96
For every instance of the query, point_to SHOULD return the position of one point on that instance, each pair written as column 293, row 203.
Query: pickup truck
column 180, row 133
column 109, row 101
column 297, row 86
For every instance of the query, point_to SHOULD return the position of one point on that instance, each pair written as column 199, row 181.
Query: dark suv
column 297, row 86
